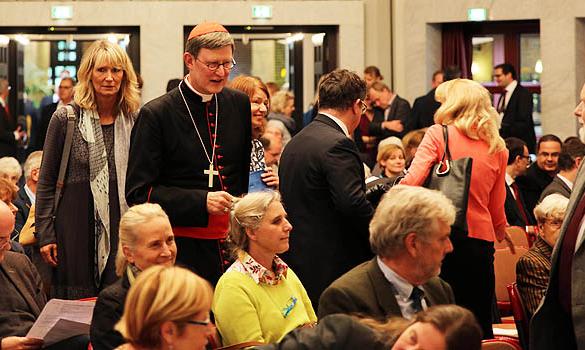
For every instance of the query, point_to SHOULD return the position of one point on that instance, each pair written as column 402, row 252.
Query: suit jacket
column 517, row 120
column 22, row 202
column 532, row 271
column 323, row 190
column 399, row 110
column 25, row 279
column 7, row 140
column 423, row 112
column 531, row 186
column 513, row 213
column 41, row 131
column 365, row 290
column 551, row 327
column 556, row 186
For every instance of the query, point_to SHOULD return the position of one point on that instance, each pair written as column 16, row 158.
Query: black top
column 531, row 186
column 108, row 310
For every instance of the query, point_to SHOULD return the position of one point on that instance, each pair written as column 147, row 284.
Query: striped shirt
column 532, row 274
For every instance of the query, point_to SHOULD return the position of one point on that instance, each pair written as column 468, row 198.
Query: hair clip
column 291, row 304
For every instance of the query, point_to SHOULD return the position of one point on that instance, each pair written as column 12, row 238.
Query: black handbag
column 453, row 177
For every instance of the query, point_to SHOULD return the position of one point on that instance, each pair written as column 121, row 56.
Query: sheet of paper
column 506, row 332
column 62, row 319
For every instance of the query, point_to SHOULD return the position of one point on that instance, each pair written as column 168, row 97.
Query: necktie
column 519, row 203
column 502, row 102
column 566, row 257
column 416, row 297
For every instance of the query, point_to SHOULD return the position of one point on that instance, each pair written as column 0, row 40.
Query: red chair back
column 499, row 344
column 520, row 314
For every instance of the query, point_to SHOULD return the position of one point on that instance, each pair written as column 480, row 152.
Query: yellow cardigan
column 246, row 311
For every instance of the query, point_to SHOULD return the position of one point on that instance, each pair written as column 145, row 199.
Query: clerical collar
column 204, row 97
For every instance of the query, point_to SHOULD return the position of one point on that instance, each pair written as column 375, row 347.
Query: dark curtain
column 456, row 48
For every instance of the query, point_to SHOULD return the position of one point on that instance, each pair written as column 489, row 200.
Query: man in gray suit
column 570, row 159
column 559, row 322
column 22, row 298
column 410, row 235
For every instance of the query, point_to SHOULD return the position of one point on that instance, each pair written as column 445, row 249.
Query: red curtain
column 456, row 49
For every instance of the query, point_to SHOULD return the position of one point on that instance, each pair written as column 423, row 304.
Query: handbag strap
column 446, row 154
column 65, row 156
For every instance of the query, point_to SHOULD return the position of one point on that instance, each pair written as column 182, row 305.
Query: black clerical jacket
column 167, row 160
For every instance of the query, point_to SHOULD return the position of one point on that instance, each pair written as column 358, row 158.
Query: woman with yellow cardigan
column 259, row 298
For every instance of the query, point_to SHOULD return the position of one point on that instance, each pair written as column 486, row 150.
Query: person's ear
column 168, row 332
column 189, row 60
column 578, row 161
column 128, row 254
column 251, row 234
column 411, row 243
column 34, row 174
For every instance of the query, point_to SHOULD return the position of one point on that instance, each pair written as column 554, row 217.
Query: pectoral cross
column 210, row 172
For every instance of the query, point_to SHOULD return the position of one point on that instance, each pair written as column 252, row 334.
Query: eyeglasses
column 200, row 323
column 554, row 222
column 526, row 157
column 213, row 66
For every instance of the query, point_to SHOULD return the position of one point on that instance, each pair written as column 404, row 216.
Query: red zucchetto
column 206, row 28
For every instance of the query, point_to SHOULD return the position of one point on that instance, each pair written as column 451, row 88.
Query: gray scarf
column 91, row 132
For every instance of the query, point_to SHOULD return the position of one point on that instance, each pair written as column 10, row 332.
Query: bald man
column 22, row 298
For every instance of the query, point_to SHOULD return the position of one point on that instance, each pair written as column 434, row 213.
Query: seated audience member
column 167, row 308
column 259, row 298
column 10, row 169
column 282, row 105
column 272, row 150
column 570, row 159
column 8, row 192
column 22, row 297
column 410, row 142
column 146, row 239
column 390, row 112
column 391, row 161
column 541, row 173
column 410, row 235
column 533, row 268
column 443, row 327
column 392, row 140
column 260, row 105
column 372, row 74
column 518, row 162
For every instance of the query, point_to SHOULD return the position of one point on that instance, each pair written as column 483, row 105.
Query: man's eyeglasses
column 526, row 157
column 213, row 66
column 364, row 106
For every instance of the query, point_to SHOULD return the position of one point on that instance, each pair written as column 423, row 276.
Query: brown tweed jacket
column 532, row 274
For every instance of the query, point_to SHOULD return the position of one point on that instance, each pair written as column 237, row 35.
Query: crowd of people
column 208, row 218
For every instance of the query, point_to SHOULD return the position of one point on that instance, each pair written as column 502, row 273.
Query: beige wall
column 417, row 43
column 161, row 26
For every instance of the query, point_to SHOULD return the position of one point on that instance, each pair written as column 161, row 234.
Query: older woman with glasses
column 167, row 308
column 260, row 299
column 533, row 268
column 146, row 239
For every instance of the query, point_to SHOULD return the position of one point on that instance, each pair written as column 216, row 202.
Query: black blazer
column 323, row 189
column 365, row 290
column 423, row 112
column 399, row 110
column 517, row 120
column 108, row 310
column 22, row 202
column 7, row 140
column 556, row 186
column 513, row 214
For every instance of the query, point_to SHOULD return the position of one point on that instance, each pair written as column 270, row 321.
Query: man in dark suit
column 22, row 297
column 518, row 162
column 9, row 133
column 540, row 173
column 559, row 322
column 65, row 93
column 323, row 187
column 515, row 107
column 410, row 235
column 424, row 107
column 570, row 159
column 390, row 112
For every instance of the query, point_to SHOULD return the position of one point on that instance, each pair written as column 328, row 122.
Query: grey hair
column 211, row 41
column 247, row 213
column 128, row 231
column 407, row 209
column 10, row 166
column 33, row 161
column 552, row 206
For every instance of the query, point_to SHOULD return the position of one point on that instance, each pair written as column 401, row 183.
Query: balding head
column 6, row 228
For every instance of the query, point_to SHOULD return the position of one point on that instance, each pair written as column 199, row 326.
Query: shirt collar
column 509, row 179
column 30, row 194
column 567, row 182
column 402, row 287
column 248, row 266
column 512, row 86
column 204, row 97
column 338, row 122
